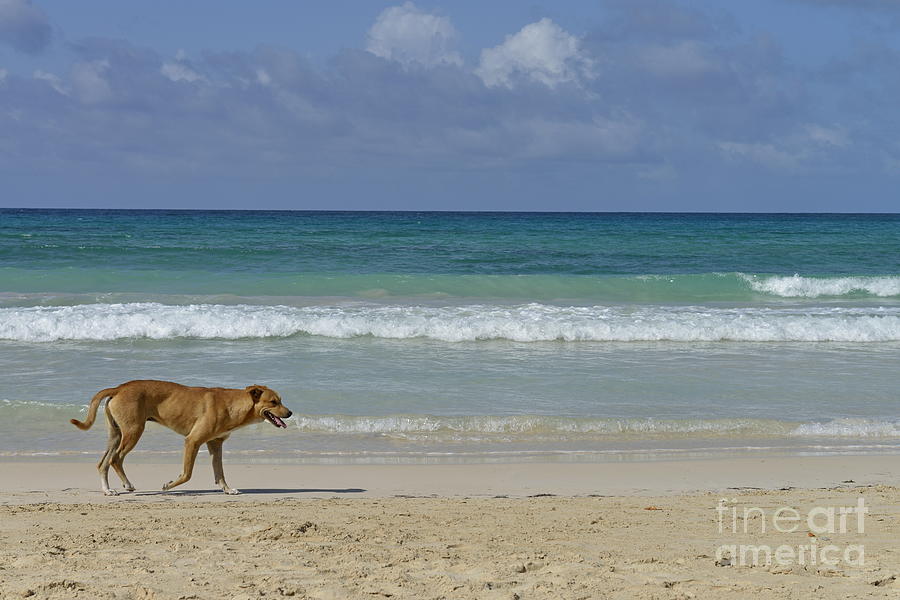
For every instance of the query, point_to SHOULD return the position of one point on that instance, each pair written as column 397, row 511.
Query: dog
column 202, row 415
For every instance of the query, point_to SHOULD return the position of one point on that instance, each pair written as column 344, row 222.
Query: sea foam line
column 425, row 427
column 521, row 323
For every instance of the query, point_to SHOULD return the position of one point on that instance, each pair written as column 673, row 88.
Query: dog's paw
column 130, row 488
column 232, row 492
column 110, row 493
column 167, row 487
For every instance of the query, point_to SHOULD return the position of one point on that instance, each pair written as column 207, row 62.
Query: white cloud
column 409, row 35
column 808, row 144
column 88, row 82
column 263, row 77
column 53, row 80
column 827, row 136
column 177, row 71
column 541, row 51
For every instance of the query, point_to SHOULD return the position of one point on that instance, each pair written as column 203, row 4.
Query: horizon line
column 444, row 211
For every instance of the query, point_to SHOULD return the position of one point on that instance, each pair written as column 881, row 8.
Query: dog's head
column 267, row 405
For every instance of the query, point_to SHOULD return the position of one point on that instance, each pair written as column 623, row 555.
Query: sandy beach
column 469, row 301
column 641, row 530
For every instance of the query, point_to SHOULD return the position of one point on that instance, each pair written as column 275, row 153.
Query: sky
column 603, row 105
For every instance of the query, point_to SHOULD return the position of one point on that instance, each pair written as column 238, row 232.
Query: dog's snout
column 289, row 414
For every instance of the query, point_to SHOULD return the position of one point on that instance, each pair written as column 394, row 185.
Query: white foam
column 849, row 428
column 431, row 426
column 522, row 323
column 798, row 286
column 529, row 425
column 38, row 405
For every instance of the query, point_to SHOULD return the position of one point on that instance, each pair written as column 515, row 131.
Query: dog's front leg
column 191, row 446
column 215, row 451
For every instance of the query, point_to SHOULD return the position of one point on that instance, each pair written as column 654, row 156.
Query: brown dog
column 202, row 415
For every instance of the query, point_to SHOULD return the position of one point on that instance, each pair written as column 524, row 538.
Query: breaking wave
column 520, row 323
column 798, row 286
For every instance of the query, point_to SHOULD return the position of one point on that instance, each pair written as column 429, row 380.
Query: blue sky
column 638, row 105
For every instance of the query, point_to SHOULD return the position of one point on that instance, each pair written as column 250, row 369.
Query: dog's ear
column 255, row 391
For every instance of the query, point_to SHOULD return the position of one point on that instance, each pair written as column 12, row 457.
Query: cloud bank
column 652, row 92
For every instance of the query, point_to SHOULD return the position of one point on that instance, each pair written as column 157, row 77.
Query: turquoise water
column 403, row 337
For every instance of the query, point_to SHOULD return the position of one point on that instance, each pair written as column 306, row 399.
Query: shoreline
column 26, row 482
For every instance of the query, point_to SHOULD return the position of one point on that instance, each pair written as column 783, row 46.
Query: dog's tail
column 92, row 409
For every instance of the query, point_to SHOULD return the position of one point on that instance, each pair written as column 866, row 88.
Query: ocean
column 400, row 337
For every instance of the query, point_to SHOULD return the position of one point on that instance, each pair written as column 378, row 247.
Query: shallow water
column 399, row 337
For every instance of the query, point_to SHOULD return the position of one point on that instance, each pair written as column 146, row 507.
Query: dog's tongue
column 278, row 421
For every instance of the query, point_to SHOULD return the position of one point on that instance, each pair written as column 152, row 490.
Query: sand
column 636, row 530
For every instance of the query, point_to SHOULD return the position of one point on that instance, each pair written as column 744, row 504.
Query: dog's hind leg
column 126, row 445
column 115, row 437
column 215, row 451
column 122, row 410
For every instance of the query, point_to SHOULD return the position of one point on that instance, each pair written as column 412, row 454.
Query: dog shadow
column 252, row 491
